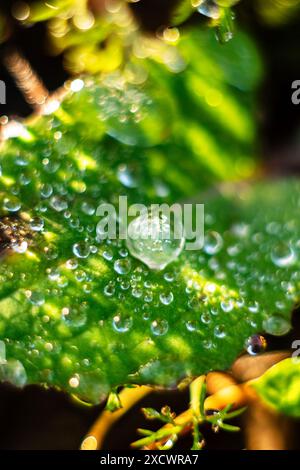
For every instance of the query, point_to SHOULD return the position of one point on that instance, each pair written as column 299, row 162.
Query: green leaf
column 69, row 317
column 279, row 387
column 42, row 11
column 182, row 11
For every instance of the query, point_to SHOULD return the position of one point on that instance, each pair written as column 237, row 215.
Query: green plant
column 84, row 315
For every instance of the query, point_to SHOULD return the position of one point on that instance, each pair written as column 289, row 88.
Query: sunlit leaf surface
column 83, row 314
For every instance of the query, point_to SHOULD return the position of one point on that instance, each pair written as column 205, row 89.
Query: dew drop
column 71, row 264
column 108, row 255
column 166, row 298
column 122, row 266
column 58, row 203
column 213, row 242
column 127, row 176
column 74, row 317
column 51, row 252
column 210, row 9
column 87, row 208
column 220, row 331
column 227, row 305
column 282, row 255
column 46, row 190
column 36, row 224
column 159, row 327
column 109, row 289
column 169, row 277
column 255, row 344
column 35, row 297
column 74, row 381
column 205, row 318
column 14, row 372
column 11, row 204
column 122, row 323
column 152, row 239
column 276, row 325
column 191, row 325
column 81, row 249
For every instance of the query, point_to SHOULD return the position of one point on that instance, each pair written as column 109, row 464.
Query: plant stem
column 226, row 392
column 195, row 394
column 96, row 435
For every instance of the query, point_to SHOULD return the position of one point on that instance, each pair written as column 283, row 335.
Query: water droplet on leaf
column 255, row 344
column 276, row 325
column 152, row 239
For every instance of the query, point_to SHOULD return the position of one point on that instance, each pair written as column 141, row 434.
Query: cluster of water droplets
column 147, row 283
column 221, row 14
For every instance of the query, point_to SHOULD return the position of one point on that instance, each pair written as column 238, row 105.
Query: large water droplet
column 153, row 240
column 109, row 289
column 276, row 325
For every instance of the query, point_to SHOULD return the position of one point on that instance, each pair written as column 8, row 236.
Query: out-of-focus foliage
column 275, row 12
column 99, row 36
column 279, row 387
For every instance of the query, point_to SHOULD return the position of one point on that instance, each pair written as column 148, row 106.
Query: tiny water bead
column 159, row 327
column 122, row 323
column 74, row 317
column 19, row 247
column 72, row 264
column 110, row 289
column 255, row 344
column 122, row 266
column 74, row 381
column 127, row 176
column 35, row 297
column 81, row 249
column 213, row 243
column 36, row 224
column 227, row 305
column 166, row 298
column 152, row 239
column 58, row 203
column 14, row 372
column 11, row 204
column 283, row 255
column 220, row 331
